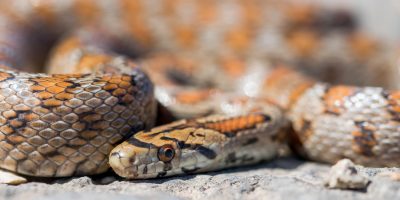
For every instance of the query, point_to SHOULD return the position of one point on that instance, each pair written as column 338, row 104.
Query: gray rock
column 280, row 179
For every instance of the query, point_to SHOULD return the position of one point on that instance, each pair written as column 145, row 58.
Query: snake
column 162, row 88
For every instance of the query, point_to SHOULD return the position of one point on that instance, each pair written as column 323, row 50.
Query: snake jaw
column 122, row 160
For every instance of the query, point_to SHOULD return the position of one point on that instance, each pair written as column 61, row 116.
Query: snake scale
column 219, row 68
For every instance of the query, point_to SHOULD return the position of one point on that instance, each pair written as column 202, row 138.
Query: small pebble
column 344, row 175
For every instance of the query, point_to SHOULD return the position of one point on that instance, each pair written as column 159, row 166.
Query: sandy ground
column 286, row 178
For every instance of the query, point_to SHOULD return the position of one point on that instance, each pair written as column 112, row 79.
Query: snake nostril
column 115, row 154
column 132, row 160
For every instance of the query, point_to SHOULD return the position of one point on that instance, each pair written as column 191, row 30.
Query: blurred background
column 339, row 41
column 379, row 18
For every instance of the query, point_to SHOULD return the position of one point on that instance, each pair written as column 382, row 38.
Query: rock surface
column 286, row 178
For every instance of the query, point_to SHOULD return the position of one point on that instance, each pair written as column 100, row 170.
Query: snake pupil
column 168, row 153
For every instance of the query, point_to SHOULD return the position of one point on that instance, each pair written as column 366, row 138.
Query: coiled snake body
column 216, row 75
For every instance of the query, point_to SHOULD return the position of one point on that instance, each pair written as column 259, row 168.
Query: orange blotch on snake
column 55, row 89
column 252, row 13
column 115, row 80
column 362, row 46
column 361, row 145
column 6, row 129
column 394, row 104
column 44, row 95
column 9, row 114
column 124, row 84
column 52, row 103
column 206, row 12
column 300, row 14
column 128, row 98
column 277, row 75
column 109, row 87
column 37, row 88
column 4, row 76
column 64, row 84
column 185, row 35
column 304, row 42
column 93, row 61
column 31, row 117
column 87, row 11
column 126, row 78
column 239, row 38
column 236, row 124
column 67, row 45
column 62, row 77
column 16, row 123
column 134, row 21
column 233, row 66
column 16, row 139
column 64, row 96
column 298, row 91
column 192, row 97
column 46, row 82
column 119, row 92
column 278, row 81
column 364, row 139
column 336, row 96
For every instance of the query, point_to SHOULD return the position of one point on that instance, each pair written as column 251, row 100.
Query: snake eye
column 166, row 153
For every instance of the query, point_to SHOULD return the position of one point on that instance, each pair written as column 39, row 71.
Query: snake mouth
column 122, row 164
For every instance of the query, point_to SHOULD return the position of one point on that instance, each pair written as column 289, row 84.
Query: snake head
column 137, row 162
column 168, row 150
column 196, row 145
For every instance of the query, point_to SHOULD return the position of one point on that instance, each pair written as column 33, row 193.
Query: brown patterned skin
column 67, row 123
column 332, row 122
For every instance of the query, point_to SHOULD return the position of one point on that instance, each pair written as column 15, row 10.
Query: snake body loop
column 63, row 125
column 113, row 63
